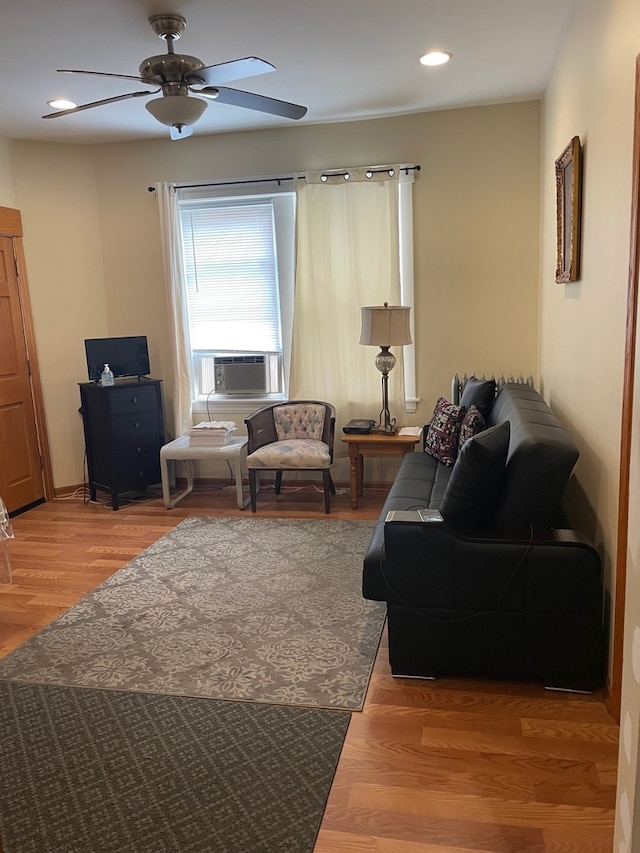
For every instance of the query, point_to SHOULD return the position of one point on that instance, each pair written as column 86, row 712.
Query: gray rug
column 262, row 610
column 96, row 771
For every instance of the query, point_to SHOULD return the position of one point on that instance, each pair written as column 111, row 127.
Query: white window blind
column 231, row 276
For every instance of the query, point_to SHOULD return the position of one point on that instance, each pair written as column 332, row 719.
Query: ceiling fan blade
column 251, row 101
column 236, row 69
column 98, row 104
column 107, row 74
column 181, row 131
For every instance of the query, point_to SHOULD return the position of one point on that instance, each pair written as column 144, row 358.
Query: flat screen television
column 125, row 356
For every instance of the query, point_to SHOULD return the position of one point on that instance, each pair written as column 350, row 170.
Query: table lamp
column 385, row 326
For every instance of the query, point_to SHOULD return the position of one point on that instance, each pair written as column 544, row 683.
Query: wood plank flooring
column 446, row 766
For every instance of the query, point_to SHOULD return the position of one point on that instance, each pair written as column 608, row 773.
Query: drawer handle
column 134, row 399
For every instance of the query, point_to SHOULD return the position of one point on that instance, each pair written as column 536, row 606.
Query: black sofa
column 500, row 588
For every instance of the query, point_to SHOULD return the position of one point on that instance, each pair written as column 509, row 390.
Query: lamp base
column 382, row 430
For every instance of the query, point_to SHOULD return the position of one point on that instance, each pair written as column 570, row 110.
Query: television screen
column 125, row 356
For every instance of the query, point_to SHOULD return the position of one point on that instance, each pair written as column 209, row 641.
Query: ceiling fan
column 184, row 81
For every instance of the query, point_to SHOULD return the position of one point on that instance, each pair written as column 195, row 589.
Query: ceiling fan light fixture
column 176, row 110
column 62, row 104
column 435, row 57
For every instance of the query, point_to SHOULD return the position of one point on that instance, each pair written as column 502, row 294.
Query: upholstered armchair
column 296, row 435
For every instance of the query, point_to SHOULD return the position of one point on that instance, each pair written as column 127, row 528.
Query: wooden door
column 21, row 463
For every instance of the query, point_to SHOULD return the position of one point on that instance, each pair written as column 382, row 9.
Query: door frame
column 626, row 432
column 11, row 226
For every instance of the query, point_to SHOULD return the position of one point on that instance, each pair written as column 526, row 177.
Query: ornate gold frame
column 568, row 202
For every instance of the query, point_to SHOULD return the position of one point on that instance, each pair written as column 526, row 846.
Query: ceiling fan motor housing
column 170, row 68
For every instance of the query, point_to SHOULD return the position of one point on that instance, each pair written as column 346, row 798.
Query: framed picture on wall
column 568, row 202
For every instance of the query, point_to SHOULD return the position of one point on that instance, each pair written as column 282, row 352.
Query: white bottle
column 106, row 377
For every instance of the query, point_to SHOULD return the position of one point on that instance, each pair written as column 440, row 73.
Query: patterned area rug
column 261, row 610
column 98, row 771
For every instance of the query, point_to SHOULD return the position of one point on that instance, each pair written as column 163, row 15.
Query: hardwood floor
column 427, row 767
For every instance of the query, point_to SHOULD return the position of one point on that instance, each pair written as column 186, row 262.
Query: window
column 239, row 266
column 232, row 244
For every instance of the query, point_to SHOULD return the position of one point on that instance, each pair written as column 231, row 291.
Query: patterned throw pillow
column 443, row 432
column 471, row 425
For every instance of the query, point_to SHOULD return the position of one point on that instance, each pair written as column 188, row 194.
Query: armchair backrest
column 293, row 419
column 299, row 420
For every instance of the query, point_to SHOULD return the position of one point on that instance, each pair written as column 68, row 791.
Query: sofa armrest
column 503, row 608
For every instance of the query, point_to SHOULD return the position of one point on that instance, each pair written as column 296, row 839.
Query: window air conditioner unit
column 240, row 374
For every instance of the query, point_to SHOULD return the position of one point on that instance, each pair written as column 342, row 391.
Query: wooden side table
column 373, row 445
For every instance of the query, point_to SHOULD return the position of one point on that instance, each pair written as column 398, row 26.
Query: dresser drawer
column 136, row 455
column 137, row 473
column 136, row 427
column 135, row 399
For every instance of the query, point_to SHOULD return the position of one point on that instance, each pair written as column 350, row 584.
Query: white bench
column 181, row 449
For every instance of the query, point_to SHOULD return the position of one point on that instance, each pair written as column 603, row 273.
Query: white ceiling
column 343, row 59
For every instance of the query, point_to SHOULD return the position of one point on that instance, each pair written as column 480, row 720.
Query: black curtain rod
column 231, row 183
column 405, row 169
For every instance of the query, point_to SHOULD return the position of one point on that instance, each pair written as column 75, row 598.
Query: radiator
column 458, row 383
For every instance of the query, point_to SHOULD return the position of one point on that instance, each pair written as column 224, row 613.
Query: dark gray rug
column 264, row 610
column 95, row 771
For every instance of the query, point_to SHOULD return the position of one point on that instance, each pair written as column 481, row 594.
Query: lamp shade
column 176, row 110
column 385, row 325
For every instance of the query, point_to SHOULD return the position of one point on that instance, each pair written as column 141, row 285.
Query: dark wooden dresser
column 123, row 432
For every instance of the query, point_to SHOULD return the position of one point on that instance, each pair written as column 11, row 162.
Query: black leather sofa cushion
column 541, row 458
column 472, row 493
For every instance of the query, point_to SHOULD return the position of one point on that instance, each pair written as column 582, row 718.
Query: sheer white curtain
column 171, row 238
column 347, row 257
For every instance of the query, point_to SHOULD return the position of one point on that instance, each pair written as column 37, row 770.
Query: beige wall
column 582, row 325
column 56, row 193
column 476, row 223
column 7, row 185
column 95, row 266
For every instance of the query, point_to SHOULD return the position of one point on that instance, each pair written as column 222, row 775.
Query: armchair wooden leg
column 253, row 488
column 329, row 489
column 278, row 485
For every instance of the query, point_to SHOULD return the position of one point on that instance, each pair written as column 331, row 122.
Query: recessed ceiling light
column 61, row 104
column 435, row 57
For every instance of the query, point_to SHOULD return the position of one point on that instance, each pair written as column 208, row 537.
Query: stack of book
column 211, row 433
